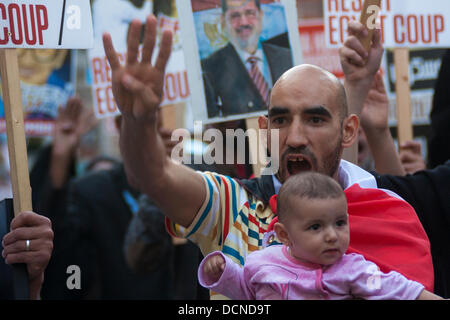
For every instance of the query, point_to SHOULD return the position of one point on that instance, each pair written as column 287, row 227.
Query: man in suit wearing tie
column 239, row 76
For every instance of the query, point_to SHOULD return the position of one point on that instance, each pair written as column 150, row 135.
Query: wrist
column 35, row 286
column 146, row 120
column 377, row 132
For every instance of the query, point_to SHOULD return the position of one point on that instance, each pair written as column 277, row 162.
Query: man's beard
column 243, row 44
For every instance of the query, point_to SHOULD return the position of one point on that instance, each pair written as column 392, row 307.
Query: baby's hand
column 213, row 268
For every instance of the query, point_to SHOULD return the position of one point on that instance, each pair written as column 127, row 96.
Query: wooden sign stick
column 366, row 13
column 403, row 92
column 15, row 131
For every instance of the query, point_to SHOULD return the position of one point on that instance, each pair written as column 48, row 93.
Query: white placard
column 114, row 16
column 203, row 26
column 404, row 23
column 39, row 24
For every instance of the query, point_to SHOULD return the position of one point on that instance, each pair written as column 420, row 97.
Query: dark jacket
column 97, row 220
column 428, row 192
column 439, row 139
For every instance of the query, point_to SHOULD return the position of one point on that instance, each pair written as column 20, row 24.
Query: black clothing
column 428, row 192
column 92, row 236
column 439, row 140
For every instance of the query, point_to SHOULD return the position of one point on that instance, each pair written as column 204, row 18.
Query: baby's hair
column 307, row 185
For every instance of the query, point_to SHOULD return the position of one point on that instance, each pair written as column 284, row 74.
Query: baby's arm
column 213, row 269
column 368, row 282
column 427, row 295
column 220, row 274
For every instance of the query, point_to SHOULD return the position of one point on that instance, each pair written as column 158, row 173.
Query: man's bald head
column 305, row 75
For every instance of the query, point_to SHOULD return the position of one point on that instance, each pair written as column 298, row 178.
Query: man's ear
column 263, row 122
column 350, row 128
column 282, row 234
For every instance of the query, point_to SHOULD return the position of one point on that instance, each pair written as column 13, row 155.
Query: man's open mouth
column 297, row 163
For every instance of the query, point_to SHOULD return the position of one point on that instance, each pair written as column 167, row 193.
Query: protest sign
column 207, row 34
column 45, row 24
column 46, row 81
column 404, row 23
column 32, row 24
column 114, row 16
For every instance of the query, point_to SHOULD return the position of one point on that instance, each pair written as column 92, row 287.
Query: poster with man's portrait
column 47, row 78
column 235, row 52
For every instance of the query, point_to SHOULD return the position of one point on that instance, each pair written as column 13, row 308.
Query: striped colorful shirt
column 231, row 220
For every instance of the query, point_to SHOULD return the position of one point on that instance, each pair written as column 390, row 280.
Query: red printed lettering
column 14, row 19
column 415, row 29
column 4, row 40
column 29, row 41
column 41, row 24
column 26, row 24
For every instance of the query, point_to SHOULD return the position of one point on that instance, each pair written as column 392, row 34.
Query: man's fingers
column 110, row 52
column 35, row 244
column 134, row 35
column 413, row 146
column 351, row 56
column 356, row 28
column 29, row 219
column 27, row 233
column 164, row 51
column 149, row 39
column 354, row 44
column 139, row 89
column 379, row 83
column 376, row 38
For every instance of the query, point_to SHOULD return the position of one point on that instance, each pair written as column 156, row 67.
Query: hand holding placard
column 13, row 13
column 369, row 15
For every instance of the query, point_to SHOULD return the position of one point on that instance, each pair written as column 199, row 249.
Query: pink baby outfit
column 272, row 273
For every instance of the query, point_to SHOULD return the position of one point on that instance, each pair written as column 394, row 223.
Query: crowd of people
column 146, row 227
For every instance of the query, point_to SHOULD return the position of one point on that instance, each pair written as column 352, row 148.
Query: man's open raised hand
column 138, row 91
column 138, row 84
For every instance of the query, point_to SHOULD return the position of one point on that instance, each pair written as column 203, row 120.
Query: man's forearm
column 176, row 189
column 356, row 93
column 60, row 169
column 384, row 153
column 143, row 153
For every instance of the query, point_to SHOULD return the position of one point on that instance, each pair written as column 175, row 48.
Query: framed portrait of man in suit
column 235, row 51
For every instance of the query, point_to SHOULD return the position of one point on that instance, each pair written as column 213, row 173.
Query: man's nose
column 245, row 20
column 296, row 135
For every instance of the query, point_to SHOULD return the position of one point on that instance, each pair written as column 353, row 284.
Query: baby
column 311, row 264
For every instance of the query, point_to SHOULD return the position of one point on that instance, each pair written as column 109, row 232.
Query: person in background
column 374, row 134
column 439, row 139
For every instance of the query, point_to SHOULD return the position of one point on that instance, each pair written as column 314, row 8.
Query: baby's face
column 318, row 229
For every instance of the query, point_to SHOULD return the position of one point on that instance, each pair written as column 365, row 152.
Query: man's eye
column 316, row 120
column 250, row 13
column 279, row 120
column 235, row 15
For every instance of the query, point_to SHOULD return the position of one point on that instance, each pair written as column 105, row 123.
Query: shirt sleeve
column 216, row 215
column 232, row 283
column 368, row 282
